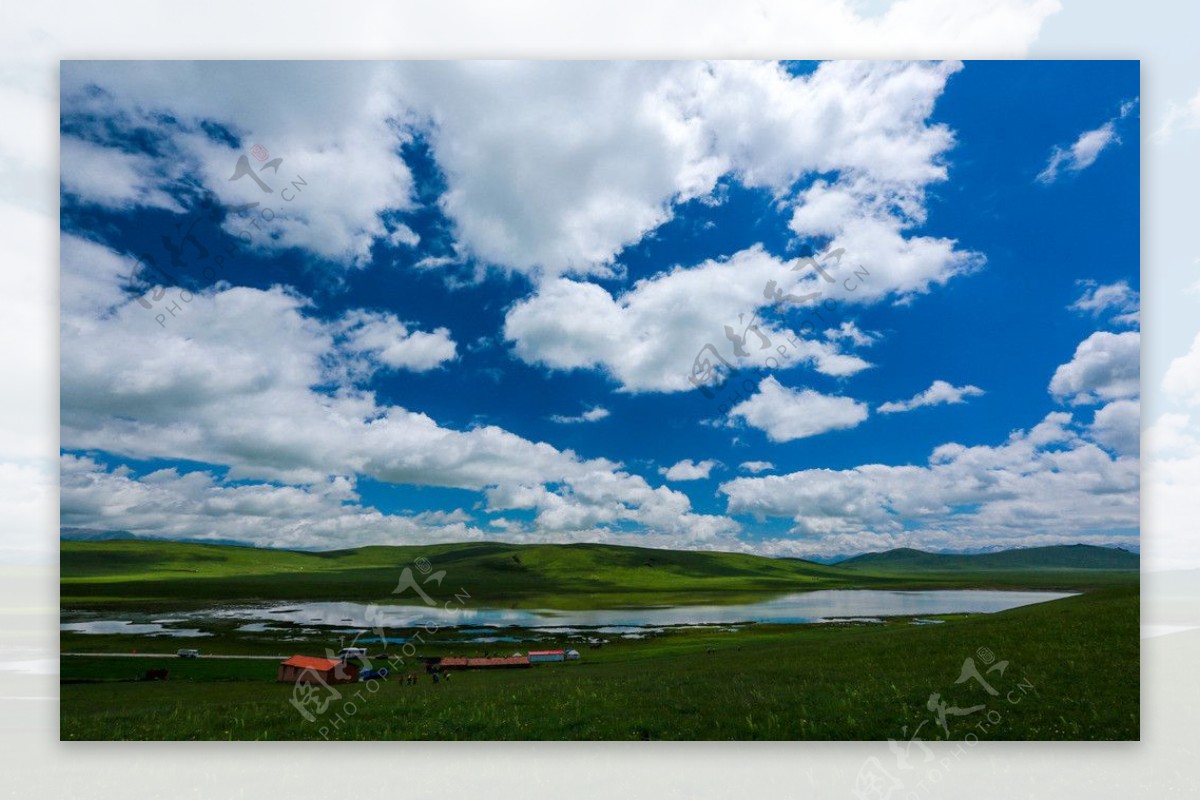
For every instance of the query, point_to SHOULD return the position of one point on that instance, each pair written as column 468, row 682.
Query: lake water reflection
column 801, row 607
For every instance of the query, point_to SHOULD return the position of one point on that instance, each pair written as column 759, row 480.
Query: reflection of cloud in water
column 125, row 627
column 257, row 628
column 805, row 607
column 831, row 606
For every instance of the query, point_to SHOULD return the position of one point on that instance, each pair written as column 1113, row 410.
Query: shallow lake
column 802, row 607
column 818, row 606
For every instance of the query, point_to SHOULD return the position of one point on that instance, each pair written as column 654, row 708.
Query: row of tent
column 341, row 671
column 517, row 660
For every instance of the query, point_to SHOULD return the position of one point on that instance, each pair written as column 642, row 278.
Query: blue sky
column 452, row 263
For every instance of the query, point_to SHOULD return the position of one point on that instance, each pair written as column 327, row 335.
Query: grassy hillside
column 157, row 574
column 138, row 571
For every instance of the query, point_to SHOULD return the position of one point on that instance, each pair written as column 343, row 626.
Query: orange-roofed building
column 316, row 669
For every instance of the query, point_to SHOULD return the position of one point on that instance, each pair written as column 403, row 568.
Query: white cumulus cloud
column 1042, row 486
column 687, row 470
column 1105, row 367
column 383, row 337
column 787, row 414
column 648, row 338
column 114, row 178
column 1117, row 426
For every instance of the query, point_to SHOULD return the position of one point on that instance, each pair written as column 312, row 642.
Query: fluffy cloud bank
column 554, row 169
column 290, row 409
column 550, row 168
column 197, row 505
column 648, row 338
column 342, row 141
column 1047, row 484
column 1061, row 480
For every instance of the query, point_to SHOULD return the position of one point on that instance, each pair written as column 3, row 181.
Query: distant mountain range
column 1051, row 557
column 94, row 535
column 70, row 534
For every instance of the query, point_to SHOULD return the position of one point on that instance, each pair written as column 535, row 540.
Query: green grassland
column 1072, row 669
column 1072, row 674
column 139, row 574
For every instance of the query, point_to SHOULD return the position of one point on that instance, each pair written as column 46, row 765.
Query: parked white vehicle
column 187, row 653
column 353, row 653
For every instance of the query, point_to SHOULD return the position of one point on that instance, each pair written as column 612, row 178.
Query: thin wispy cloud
column 1086, row 149
column 1117, row 300
column 939, row 393
column 590, row 416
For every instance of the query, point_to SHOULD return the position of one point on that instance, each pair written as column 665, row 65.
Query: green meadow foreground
column 1071, row 673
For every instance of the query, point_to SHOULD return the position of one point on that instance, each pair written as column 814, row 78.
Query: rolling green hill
column 135, row 571
column 163, row 575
